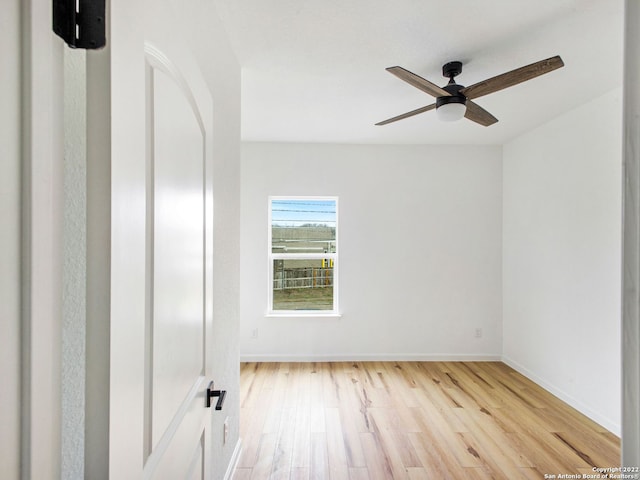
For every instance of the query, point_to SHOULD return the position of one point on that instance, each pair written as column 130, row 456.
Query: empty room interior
column 321, row 240
column 461, row 251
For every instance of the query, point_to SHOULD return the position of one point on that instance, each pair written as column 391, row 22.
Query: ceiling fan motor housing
column 455, row 97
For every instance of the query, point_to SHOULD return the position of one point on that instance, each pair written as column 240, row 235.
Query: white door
column 159, row 118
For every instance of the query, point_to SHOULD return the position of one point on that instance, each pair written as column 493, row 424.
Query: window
column 303, row 255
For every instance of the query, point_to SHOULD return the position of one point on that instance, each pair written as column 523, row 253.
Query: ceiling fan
column 453, row 101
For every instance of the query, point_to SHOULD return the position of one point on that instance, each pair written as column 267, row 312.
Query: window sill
column 303, row 313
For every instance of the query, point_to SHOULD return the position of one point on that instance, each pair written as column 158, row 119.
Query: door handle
column 221, row 394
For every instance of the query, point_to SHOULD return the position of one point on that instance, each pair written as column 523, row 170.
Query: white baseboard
column 607, row 423
column 234, row 460
column 388, row 357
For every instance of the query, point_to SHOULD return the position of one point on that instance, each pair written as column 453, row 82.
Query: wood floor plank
column 436, row 459
column 480, row 473
column 294, row 386
column 406, row 420
column 283, row 455
column 374, row 372
column 302, row 439
column 493, row 457
column 473, row 460
column 247, row 377
column 482, row 393
column 359, row 397
column 330, row 387
column 445, row 444
column 437, row 409
column 393, row 440
column 539, row 451
column 315, row 385
column 319, row 463
column 298, row 474
column 565, row 419
column 264, row 462
column 257, row 409
column 417, row 473
column 316, row 419
column 377, row 463
column 484, row 426
column 532, row 474
column 349, row 411
column 585, row 447
column 338, row 466
column 359, row 473
column 547, row 451
column 303, row 380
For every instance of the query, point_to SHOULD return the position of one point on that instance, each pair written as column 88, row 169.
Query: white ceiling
column 314, row 70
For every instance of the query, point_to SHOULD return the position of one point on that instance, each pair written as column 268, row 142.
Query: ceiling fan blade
column 418, row 82
column 408, row 114
column 513, row 77
column 477, row 114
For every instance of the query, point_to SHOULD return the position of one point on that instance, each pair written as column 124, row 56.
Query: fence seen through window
column 303, row 254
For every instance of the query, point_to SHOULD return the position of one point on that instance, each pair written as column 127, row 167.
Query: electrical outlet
column 478, row 333
column 225, row 431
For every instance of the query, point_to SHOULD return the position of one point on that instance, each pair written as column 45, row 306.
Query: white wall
column 562, row 234
column 420, row 245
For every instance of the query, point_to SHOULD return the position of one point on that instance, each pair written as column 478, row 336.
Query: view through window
column 303, row 254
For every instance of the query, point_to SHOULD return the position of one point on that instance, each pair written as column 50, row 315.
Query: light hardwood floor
column 410, row 420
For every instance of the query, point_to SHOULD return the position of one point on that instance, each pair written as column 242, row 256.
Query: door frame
column 10, row 114
column 42, row 155
column 631, row 242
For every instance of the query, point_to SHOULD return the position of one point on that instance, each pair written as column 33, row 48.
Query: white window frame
column 334, row 312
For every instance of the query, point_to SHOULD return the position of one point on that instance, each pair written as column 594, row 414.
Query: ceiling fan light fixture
column 451, row 100
column 451, row 109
